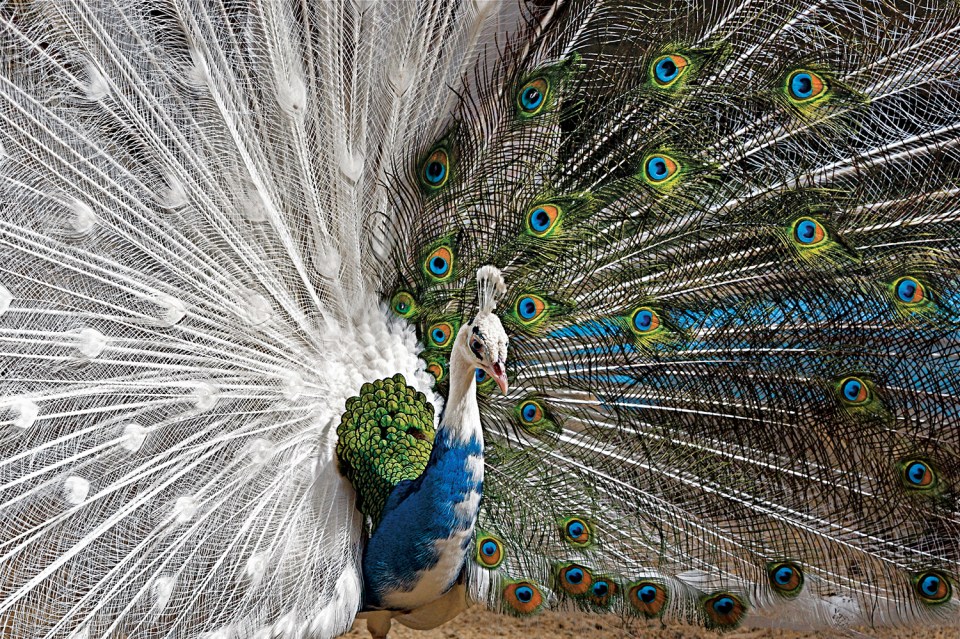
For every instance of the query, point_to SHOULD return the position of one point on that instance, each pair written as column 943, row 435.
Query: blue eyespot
column 574, row 576
column 805, row 85
column 648, row 598
column 600, row 589
column 438, row 265
column 643, row 320
column 439, row 335
column 786, row 578
column 524, row 594
column 724, row 611
column 657, row 168
column 577, row 532
column 854, row 390
column 783, row 575
column 723, row 605
column 434, row 172
column 489, row 552
column 930, row 585
column 531, row 98
column 529, row 412
column 542, row 219
column 666, row 69
column 807, row 231
column 851, row 390
column 933, row 587
column 909, row 290
column 527, row 308
column 918, row 474
column 530, row 309
column 906, row 289
column 480, row 375
column 539, row 220
column 801, row 85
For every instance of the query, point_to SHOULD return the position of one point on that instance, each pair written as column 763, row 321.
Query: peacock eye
column 489, row 552
column 933, row 587
column 439, row 334
column 436, row 169
column 808, row 231
column 531, row 412
column 542, row 220
column 854, row 390
column 533, row 96
column 805, row 85
column 644, row 320
column 577, row 532
column 574, row 579
column 403, row 304
column 529, row 308
column 648, row 598
column 438, row 265
column 602, row 590
column 667, row 69
column 724, row 611
column 786, row 578
column 523, row 597
column 909, row 290
column 659, row 168
column 477, row 347
column 918, row 474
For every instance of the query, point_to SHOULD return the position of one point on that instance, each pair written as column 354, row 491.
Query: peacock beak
column 499, row 375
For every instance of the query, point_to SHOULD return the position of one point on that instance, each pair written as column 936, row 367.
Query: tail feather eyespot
column 542, row 220
column 649, row 598
column 918, row 474
column 435, row 170
column 577, row 531
column 438, row 265
column 804, row 86
column 490, row 552
column 575, row 579
column 786, row 578
column 933, row 587
column 667, row 70
column 533, row 96
column 723, row 610
column 523, row 597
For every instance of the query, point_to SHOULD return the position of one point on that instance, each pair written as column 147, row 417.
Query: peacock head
column 483, row 339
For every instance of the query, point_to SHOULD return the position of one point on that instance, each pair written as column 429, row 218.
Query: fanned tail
column 731, row 236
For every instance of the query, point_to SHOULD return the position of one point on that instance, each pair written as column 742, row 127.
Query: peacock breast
column 417, row 552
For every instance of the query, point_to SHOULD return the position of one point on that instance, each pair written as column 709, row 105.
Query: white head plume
column 491, row 288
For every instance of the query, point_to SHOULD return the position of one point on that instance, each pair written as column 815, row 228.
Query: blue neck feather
column 417, row 515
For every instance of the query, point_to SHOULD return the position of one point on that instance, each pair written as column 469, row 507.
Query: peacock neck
column 460, row 421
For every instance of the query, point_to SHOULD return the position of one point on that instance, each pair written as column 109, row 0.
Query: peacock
column 318, row 310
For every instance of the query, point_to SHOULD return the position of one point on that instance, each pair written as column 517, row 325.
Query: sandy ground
column 476, row 623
